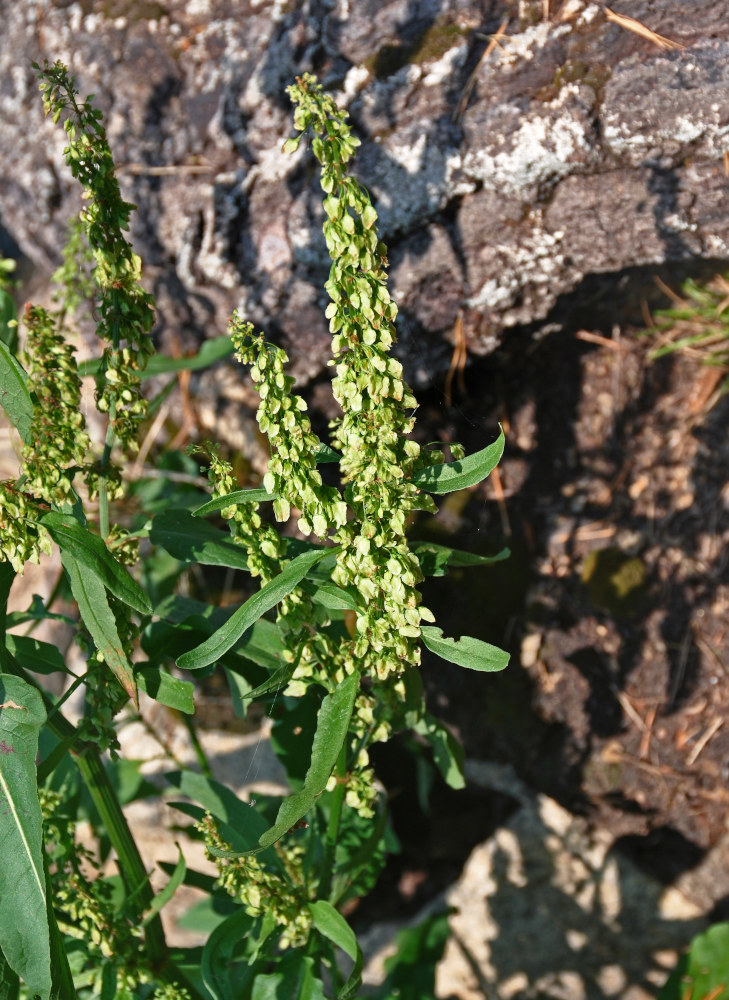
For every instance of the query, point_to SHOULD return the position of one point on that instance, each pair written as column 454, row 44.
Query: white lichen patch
column 541, row 149
column 444, row 68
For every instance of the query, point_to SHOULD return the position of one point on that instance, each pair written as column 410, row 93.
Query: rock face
column 503, row 174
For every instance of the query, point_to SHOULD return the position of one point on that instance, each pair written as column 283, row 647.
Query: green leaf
column 243, row 820
column 294, row 977
column 40, row 657
column 468, row 471
column 447, row 751
column 466, row 652
column 97, row 616
column 188, row 538
column 233, row 499
column 165, row 895
column 332, row 722
column 436, row 559
column 262, row 644
column 324, row 455
column 704, row 971
column 211, row 351
column 267, row 597
column 166, row 689
column 333, row 926
column 24, row 934
column 411, row 970
column 217, row 956
column 9, row 982
column 330, row 596
column 90, row 552
column 14, row 396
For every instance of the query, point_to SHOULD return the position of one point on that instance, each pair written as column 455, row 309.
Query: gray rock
column 575, row 148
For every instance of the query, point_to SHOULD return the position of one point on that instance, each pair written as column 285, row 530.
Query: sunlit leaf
column 468, row 471
column 24, row 933
column 14, row 396
column 267, row 597
column 331, row 730
column 333, row 926
column 90, row 552
column 97, row 616
column 466, row 651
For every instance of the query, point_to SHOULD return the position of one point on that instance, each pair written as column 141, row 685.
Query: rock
column 547, row 907
column 503, row 175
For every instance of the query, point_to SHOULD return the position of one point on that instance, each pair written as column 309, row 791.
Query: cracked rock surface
column 503, row 174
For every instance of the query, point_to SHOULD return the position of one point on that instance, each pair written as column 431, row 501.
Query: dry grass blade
column 471, row 82
column 458, row 361
column 637, row 28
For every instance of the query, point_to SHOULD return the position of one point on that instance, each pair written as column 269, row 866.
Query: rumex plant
column 332, row 635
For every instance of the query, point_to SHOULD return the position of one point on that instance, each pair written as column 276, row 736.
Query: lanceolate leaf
column 211, row 351
column 9, row 982
column 266, row 598
column 166, row 689
column 224, row 805
column 97, row 616
column 217, row 956
column 333, row 926
column 165, row 895
column 466, row 652
column 24, row 935
column 188, row 538
column 90, row 552
column 331, row 730
column 294, row 977
column 435, row 560
column 41, row 657
column 459, row 475
column 233, row 499
column 14, row 396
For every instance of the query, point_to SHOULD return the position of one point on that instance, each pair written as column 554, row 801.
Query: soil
column 613, row 499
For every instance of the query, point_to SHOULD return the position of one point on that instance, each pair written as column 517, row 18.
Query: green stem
column 131, row 866
column 7, row 575
column 104, row 464
column 332, row 835
column 200, row 754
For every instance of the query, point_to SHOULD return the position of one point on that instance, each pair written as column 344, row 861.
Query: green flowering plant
column 333, row 632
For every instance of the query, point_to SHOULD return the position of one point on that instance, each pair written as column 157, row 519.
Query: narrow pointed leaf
column 14, row 396
column 233, row 499
column 466, row 651
column 90, row 552
column 223, row 804
column 97, row 616
column 217, row 957
column 294, row 977
column 460, row 475
column 436, row 559
column 40, row 657
column 266, row 598
column 166, row 689
column 165, row 895
column 331, row 730
column 333, row 926
column 188, row 538
column 211, row 351
column 9, row 982
column 24, row 934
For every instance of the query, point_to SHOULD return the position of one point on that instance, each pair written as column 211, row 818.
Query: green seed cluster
column 377, row 456
column 22, row 538
column 58, row 438
column 262, row 891
column 125, row 310
column 292, row 472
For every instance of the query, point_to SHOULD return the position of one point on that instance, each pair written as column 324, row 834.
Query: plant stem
column 335, row 814
column 105, row 459
column 131, row 866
